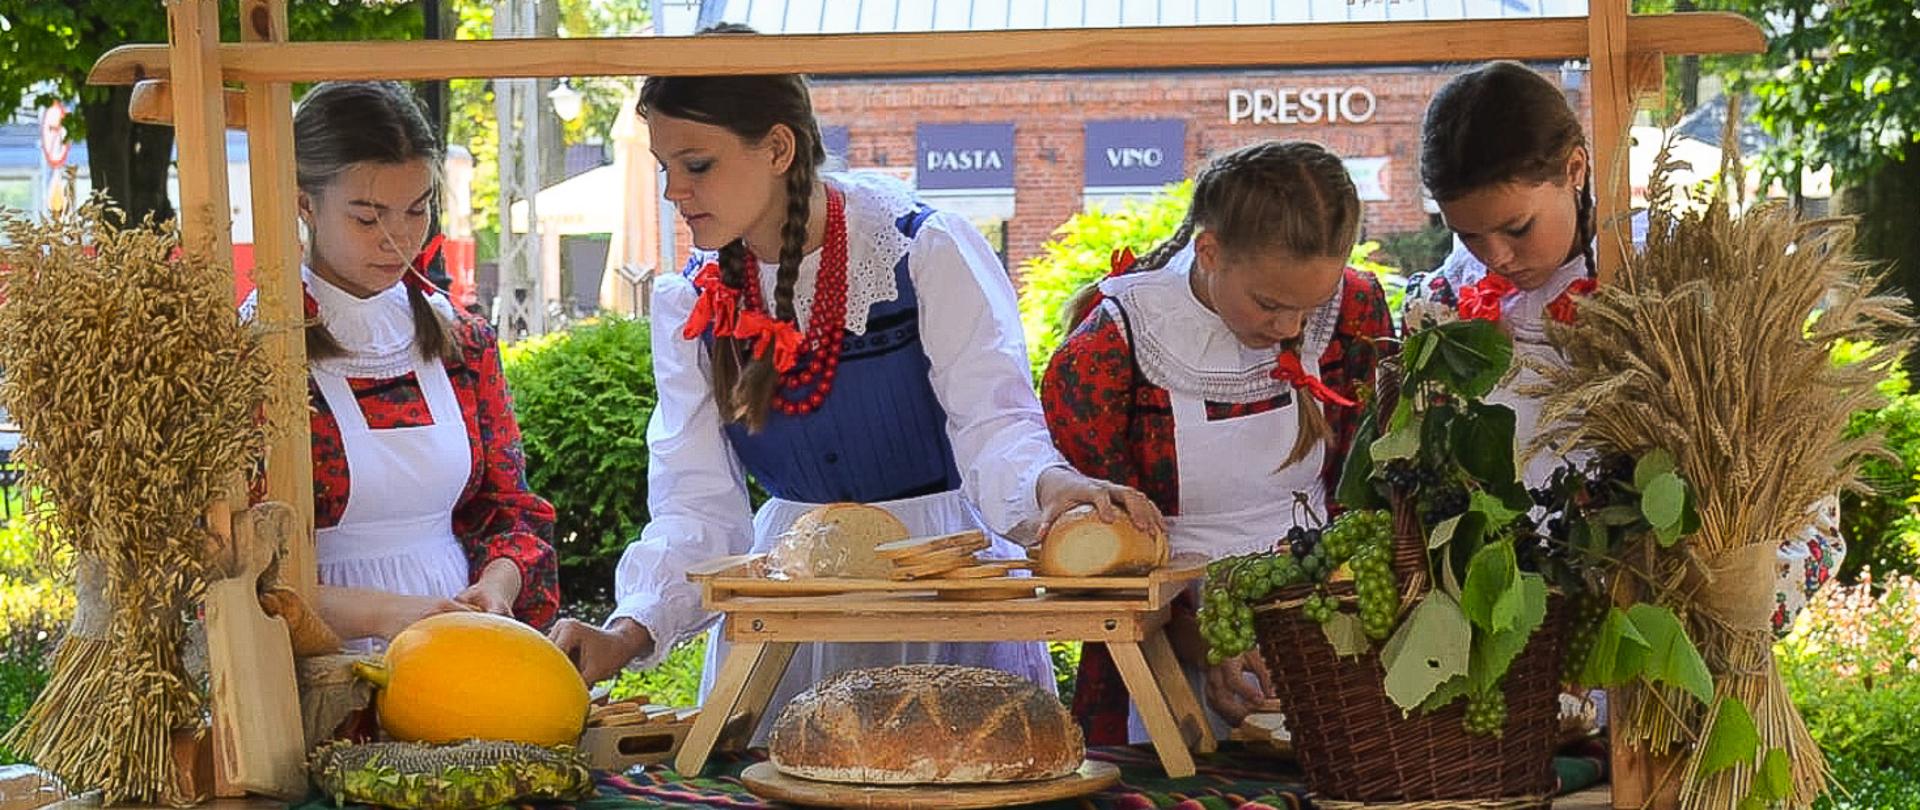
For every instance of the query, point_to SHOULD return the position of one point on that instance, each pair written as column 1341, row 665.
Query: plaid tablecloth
column 1233, row 777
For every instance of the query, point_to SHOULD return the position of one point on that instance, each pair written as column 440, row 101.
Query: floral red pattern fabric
column 1111, row 424
column 496, row 516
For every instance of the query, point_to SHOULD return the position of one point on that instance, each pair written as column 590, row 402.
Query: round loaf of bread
column 926, row 724
column 1080, row 544
column 837, row 540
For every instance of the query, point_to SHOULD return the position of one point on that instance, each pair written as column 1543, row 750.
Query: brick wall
column 1049, row 113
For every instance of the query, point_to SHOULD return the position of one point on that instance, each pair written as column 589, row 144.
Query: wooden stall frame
column 1624, row 51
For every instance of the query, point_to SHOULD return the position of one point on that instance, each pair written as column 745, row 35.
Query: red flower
column 1287, row 369
column 1485, row 299
column 1562, row 309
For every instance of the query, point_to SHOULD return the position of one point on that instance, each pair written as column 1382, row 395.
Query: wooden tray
column 768, row 782
column 728, row 580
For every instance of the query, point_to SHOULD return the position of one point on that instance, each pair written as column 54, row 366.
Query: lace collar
column 1184, row 347
column 875, row 203
column 377, row 332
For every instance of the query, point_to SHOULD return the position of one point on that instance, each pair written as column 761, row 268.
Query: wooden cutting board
column 256, row 702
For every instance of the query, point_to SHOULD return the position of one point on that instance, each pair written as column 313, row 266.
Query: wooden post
column 1611, row 82
column 199, row 119
column 276, row 274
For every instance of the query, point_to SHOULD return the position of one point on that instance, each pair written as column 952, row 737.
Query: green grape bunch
column 1486, row 714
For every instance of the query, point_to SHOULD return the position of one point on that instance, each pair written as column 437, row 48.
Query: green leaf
column 1475, row 355
column 1346, row 634
column 1671, row 656
column 1356, row 490
column 1483, row 442
column 1491, row 597
column 1664, row 500
column 1403, row 442
column 1619, row 652
column 1418, row 352
column 1495, row 509
column 1775, row 780
column 1443, row 532
column 1732, row 740
column 1493, row 653
column 1651, row 466
column 1429, row 649
column 1446, row 693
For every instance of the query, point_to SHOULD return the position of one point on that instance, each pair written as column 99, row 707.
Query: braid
column 1585, row 229
column 433, row 335
column 727, row 373
column 1165, row 251
column 1313, row 430
column 793, row 238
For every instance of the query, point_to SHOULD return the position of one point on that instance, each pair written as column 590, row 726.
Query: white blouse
column 970, row 330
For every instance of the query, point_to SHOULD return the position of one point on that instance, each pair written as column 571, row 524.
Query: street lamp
column 566, row 100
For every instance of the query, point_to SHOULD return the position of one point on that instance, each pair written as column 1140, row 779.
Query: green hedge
column 583, row 397
column 1882, row 525
column 1852, row 664
column 34, row 609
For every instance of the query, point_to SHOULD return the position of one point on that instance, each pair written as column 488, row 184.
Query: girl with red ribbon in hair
column 1505, row 157
column 1220, row 375
column 419, row 493
column 838, row 340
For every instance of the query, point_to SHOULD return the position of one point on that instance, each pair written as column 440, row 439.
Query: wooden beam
column 1612, row 83
column 276, row 274
column 1228, row 46
column 152, row 103
column 206, row 221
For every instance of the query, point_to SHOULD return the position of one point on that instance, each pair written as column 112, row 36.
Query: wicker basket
column 1353, row 743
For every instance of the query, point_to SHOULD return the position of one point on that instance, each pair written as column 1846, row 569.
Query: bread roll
column 1080, row 544
column 926, row 724
column 837, row 540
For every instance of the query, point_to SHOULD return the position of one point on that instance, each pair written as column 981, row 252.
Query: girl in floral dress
column 1220, row 375
column 1506, row 159
column 420, row 497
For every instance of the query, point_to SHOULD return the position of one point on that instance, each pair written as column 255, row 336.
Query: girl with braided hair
column 1219, row 374
column 1505, row 156
column 838, row 340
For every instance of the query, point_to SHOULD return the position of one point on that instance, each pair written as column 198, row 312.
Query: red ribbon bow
column 416, row 276
column 718, row 306
column 1289, row 370
column 1122, row 262
column 1484, row 300
column 1562, row 309
column 779, row 337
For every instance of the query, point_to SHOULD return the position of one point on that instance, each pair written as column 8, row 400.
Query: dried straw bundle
column 137, row 391
column 1704, row 348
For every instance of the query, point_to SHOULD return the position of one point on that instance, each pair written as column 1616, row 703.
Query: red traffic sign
column 53, row 135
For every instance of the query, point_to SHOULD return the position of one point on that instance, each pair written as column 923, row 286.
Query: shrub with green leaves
column 34, row 607
column 1081, row 253
column 583, row 397
column 1852, row 664
column 1882, row 525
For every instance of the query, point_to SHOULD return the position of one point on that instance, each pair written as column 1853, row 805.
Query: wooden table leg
column 1194, row 727
column 759, row 691
column 1152, row 704
column 739, row 672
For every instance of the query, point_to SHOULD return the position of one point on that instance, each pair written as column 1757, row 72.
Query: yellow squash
column 461, row 676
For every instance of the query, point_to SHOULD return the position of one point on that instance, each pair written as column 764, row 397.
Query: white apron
column 1235, row 498
column 396, row 533
column 940, row 513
